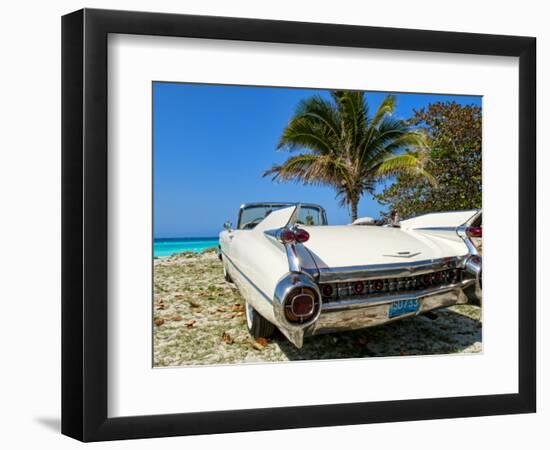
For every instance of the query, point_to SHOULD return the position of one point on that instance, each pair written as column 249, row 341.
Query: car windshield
column 253, row 215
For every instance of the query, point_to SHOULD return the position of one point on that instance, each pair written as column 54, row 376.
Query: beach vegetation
column 453, row 132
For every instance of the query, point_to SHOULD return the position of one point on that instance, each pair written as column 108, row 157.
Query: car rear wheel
column 257, row 325
column 226, row 275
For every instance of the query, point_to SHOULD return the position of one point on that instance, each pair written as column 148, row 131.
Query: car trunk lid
column 349, row 245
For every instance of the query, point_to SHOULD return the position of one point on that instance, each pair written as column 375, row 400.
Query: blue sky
column 211, row 144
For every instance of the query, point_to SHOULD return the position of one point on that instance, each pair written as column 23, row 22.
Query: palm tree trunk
column 354, row 210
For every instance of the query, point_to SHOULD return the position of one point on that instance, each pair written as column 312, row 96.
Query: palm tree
column 343, row 146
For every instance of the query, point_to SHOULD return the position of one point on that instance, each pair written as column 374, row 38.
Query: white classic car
column 305, row 277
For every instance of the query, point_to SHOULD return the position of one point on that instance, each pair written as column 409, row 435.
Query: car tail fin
column 277, row 219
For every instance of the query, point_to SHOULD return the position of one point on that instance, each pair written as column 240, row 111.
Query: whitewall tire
column 256, row 324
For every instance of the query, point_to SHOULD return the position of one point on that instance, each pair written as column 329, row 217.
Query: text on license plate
column 403, row 307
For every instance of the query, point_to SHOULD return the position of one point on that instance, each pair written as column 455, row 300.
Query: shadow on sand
column 451, row 332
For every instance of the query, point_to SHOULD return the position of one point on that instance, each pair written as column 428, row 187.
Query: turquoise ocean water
column 169, row 246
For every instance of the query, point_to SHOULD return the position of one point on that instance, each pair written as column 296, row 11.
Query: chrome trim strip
column 248, row 205
column 434, row 229
column 246, row 277
column 273, row 234
column 293, row 259
column 353, row 273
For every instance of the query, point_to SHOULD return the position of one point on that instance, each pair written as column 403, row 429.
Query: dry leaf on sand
column 227, row 338
column 260, row 343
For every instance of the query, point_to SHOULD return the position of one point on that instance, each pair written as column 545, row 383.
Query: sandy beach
column 199, row 319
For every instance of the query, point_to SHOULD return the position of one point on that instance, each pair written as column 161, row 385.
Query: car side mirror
column 227, row 225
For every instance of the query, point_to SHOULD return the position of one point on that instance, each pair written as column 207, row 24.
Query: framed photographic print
column 273, row 224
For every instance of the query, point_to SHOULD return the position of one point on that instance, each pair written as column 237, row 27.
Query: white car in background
column 305, row 277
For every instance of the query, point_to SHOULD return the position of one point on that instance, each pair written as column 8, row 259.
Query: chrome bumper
column 362, row 313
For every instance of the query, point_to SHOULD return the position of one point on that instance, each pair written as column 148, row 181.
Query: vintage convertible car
column 305, row 277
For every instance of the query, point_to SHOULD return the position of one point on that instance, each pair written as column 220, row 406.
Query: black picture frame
column 84, row 224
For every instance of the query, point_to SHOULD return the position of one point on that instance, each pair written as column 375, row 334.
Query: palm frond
column 386, row 107
column 321, row 109
column 353, row 111
column 394, row 141
column 301, row 133
column 310, row 169
column 314, row 125
column 405, row 163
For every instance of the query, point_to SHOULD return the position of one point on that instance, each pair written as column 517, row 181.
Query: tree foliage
column 454, row 139
column 340, row 144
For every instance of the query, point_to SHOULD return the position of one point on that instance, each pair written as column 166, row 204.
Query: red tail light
column 358, row 287
column 301, row 305
column 474, row 232
column 302, row 235
column 287, row 235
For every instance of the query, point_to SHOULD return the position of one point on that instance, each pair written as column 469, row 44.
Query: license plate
column 403, row 307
